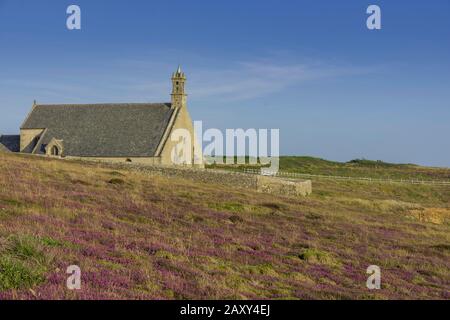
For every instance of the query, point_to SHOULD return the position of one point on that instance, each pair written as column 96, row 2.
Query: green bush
column 22, row 263
column 26, row 248
column 16, row 274
column 312, row 255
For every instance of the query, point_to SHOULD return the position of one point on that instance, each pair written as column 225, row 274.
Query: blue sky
column 310, row 68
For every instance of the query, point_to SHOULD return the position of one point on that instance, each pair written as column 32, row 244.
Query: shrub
column 81, row 182
column 229, row 206
column 116, row 173
column 274, row 206
column 317, row 256
column 236, row 219
column 116, row 181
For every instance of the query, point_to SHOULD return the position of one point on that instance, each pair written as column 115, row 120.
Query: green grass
column 52, row 242
column 23, row 263
column 25, row 248
column 312, row 255
column 228, row 206
column 362, row 168
column 16, row 274
column 354, row 168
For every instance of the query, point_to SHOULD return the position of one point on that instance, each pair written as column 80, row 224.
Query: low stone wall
column 288, row 187
column 265, row 184
column 223, row 177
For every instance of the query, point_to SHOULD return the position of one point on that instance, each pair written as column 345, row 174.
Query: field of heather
column 144, row 237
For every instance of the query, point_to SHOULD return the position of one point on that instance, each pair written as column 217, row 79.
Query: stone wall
column 288, row 187
column 139, row 161
column 265, row 184
column 233, row 179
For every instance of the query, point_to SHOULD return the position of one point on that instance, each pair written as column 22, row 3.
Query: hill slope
column 355, row 168
column 363, row 168
column 151, row 237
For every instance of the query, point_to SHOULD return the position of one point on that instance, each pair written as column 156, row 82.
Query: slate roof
column 102, row 130
column 9, row 143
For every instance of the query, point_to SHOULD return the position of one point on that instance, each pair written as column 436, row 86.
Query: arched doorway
column 54, row 151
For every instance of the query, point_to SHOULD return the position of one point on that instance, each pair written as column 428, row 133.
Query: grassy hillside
column 151, row 237
column 357, row 168
column 363, row 168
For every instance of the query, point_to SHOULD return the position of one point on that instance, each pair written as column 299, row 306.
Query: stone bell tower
column 178, row 94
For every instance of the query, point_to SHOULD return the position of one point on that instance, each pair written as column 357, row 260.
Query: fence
column 365, row 179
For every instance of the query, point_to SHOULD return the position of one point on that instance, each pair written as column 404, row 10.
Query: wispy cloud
column 141, row 80
column 241, row 80
column 247, row 80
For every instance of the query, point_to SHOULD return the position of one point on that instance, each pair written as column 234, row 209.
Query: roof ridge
column 104, row 104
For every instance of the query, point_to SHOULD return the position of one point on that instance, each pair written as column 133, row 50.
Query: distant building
column 124, row 132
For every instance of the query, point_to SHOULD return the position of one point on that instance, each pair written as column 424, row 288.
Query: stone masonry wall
column 266, row 184
column 289, row 187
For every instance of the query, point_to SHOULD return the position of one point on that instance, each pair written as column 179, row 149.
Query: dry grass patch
column 431, row 215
